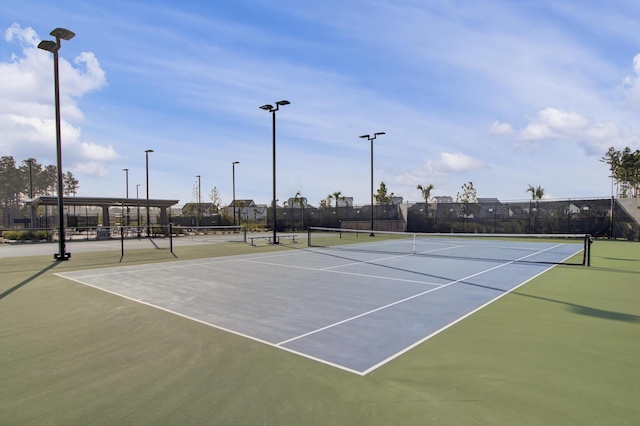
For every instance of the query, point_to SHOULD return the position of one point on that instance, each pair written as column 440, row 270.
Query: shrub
column 28, row 235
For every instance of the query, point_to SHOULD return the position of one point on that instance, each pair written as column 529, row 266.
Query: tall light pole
column 198, row 211
column 148, row 215
column 273, row 110
column 31, row 208
column 233, row 175
column 138, row 202
column 371, row 138
column 53, row 47
column 126, row 172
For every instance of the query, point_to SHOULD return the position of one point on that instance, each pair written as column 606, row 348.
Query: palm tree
column 536, row 194
column 337, row 196
column 426, row 194
column 301, row 201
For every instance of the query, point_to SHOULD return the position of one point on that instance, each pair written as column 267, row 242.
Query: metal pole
column 62, row 254
column 53, row 47
column 233, row 176
column 126, row 171
column 273, row 110
column 371, row 138
column 273, row 115
column 199, row 203
column 30, row 161
column 31, row 208
column 372, row 207
column 138, row 203
column 148, row 215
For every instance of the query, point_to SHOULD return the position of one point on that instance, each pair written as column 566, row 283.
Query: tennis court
column 352, row 309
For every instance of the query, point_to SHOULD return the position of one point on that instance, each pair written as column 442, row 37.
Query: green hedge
column 28, row 235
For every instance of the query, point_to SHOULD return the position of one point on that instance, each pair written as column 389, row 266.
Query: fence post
column 121, row 243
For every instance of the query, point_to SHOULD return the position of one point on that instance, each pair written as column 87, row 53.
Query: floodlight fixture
column 63, row 33
column 371, row 138
column 49, row 45
column 273, row 110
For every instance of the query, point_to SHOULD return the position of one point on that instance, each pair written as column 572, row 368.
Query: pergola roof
column 52, row 200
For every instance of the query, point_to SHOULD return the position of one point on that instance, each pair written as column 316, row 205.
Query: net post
column 309, row 236
column 245, row 234
column 586, row 252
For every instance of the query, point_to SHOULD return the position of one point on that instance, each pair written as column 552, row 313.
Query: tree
column 381, row 196
column 301, row 201
column 11, row 186
column 426, row 194
column 336, row 196
column 31, row 178
column 625, row 170
column 49, row 180
column 216, row 201
column 468, row 199
column 536, row 194
column 70, row 184
column 31, row 169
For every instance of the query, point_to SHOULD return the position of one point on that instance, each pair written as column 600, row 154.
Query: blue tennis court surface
column 352, row 310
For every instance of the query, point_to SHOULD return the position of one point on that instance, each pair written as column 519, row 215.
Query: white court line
column 339, row 272
column 451, row 324
column 407, row 299
column 297, row 352
column 359, row 262
column 225, row 329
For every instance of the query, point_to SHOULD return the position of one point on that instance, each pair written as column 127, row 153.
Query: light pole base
column 59, row 257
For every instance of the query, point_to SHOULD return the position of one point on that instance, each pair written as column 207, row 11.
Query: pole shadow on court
column 27, row 281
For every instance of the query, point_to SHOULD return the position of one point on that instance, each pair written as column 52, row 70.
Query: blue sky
column 500, row 93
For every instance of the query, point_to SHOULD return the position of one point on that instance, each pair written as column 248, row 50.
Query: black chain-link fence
column 584, row 216
column 603, row 218
column 19, row 243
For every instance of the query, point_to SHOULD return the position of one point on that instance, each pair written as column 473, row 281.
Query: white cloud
column 453, row 163
column 593, row 137
column 92, row 168
column 632, row 83
column 499, row 128
column 26, row 36
column 98, row 152
column 554, row 123
column 27, row 114
column 447, row 164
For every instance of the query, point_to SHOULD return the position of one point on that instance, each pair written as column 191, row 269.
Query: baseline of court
column 352, row 310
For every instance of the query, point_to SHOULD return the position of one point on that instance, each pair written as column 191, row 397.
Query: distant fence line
column 601, row 217
column 34, row 242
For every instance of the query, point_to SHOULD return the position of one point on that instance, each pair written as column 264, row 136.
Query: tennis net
column 532, row 248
